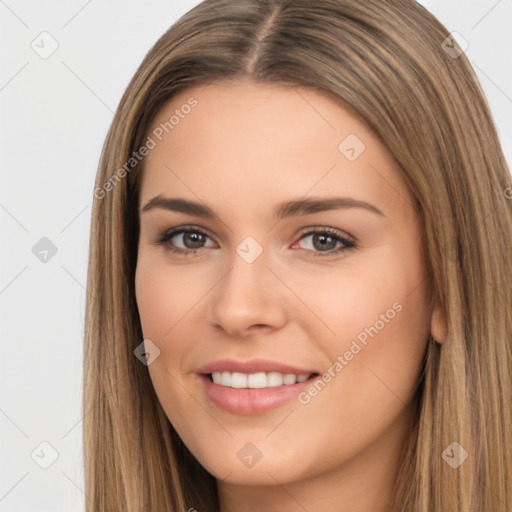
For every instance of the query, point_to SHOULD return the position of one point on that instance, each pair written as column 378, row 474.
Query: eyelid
column 305, row 231
column 326, row 229
column 348, row 241
column 165, row 235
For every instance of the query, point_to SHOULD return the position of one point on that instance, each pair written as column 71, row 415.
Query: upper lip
column 252, row 366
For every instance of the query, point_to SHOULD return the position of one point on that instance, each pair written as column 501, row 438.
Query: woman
column 299, row 273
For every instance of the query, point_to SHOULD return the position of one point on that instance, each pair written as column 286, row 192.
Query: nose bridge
column 249, row 293
column 247, row 283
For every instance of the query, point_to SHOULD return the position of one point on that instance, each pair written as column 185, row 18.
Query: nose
column 248, row 299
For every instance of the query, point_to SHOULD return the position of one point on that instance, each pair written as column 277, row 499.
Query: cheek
column 378, row 318
column 164, row 296
column 346, row 304
column 381, row 320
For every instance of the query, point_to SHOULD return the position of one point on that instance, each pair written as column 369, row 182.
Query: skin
column 244, row 149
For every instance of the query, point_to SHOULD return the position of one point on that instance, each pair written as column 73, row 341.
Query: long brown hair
column 387, row 60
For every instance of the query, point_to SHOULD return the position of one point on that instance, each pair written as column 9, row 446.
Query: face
column 281, row 273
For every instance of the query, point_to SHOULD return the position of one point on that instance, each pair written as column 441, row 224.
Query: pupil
column 324, row 241
column 193, row 238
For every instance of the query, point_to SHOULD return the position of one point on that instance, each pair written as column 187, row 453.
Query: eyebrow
column 284, row 210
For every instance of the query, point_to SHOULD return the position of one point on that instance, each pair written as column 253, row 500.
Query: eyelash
column 166, row 236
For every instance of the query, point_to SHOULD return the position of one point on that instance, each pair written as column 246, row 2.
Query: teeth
column 226, row 378
column 238, row 380
column 274, row 379
column 289, row 378
column 256, row 380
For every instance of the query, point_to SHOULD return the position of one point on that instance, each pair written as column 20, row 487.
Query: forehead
column 254, row 144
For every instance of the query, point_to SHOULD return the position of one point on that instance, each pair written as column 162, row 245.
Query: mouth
column 259, row 380
column 253, row 393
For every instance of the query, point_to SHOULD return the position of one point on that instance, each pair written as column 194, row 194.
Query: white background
column 55, row 114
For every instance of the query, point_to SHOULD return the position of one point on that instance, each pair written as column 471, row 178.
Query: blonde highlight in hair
column 384, row 60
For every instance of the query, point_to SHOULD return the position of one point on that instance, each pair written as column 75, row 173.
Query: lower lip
column 250, row 401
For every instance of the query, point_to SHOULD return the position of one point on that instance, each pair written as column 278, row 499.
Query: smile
column 256, row 380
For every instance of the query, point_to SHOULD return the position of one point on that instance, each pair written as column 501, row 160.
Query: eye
column 326, row 242
column 188, row 240
column 183, row 240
